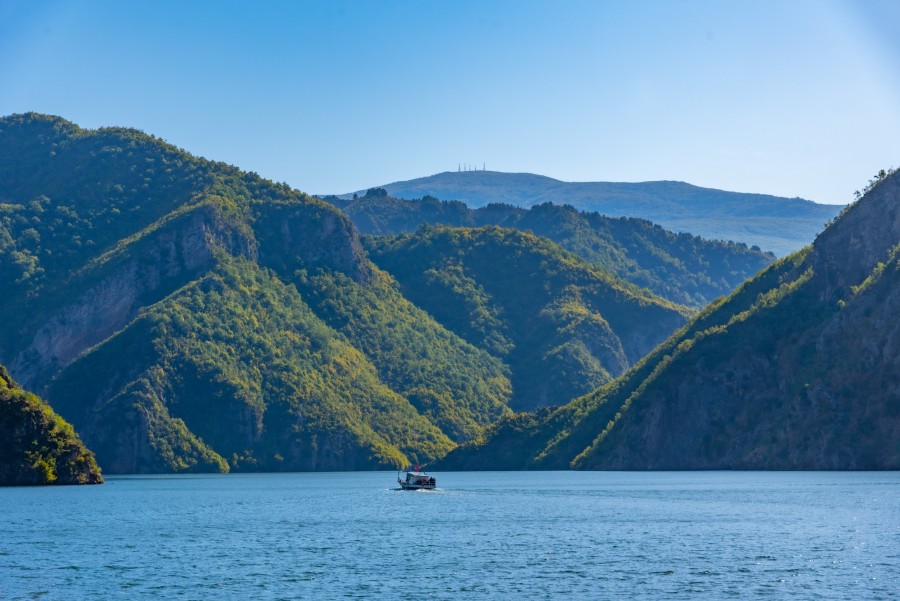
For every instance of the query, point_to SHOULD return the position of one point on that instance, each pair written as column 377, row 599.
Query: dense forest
column 682, row 268
column 186, row 315
column 563, row 326
column 797, row 369
column 37, row 446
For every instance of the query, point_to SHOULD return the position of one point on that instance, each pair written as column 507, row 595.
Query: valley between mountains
column 186, row 316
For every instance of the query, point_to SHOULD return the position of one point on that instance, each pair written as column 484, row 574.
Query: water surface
column 503, row 535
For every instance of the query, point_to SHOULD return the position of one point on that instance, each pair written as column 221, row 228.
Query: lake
column 498, row 535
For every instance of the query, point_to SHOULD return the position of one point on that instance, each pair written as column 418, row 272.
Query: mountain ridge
column 797, row 369
column 781, row 225
column 683, row 268
column 561, row 324
column 185, row 315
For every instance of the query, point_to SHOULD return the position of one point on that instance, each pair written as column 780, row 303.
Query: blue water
column 508, row 535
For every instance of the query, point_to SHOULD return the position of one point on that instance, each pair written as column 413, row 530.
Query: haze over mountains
column 798, row 369
column 779, row 225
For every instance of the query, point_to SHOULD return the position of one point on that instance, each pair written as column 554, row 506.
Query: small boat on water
column 416, row 480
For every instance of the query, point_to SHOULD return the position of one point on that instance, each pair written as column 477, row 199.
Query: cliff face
column 798, row 369
column 107, row 293
column 187, row 316
column 844, row 255
column 36, row 445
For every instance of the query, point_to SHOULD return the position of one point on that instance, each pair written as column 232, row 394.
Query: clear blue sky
column 794, row 98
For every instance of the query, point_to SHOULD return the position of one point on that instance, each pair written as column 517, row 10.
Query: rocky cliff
column 185, row 315
column 798, row 369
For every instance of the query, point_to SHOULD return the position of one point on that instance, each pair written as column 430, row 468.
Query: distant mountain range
column 798, row 369
column 780, row 225
column 682, row 268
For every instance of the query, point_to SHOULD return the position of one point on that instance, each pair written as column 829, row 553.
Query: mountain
column 682, row 268
column 780, row 225
column 798, row 369
column 36, row 445
column 561, row 325
column 185, row 315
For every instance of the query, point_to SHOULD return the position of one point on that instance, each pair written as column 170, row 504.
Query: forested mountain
column 562, row 325
column 187, row 316
column 798, row 369
column 780, row 225
column 682, row 268
column 36, row 445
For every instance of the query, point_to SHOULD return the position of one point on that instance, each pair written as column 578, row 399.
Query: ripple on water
column 555, row 535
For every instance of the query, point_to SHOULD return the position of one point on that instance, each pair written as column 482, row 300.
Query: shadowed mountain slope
column 798, row 369
column 36, row 445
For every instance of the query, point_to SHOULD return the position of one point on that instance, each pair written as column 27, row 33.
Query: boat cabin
column 415, row 480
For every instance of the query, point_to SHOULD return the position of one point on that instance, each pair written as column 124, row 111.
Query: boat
column 416, row 480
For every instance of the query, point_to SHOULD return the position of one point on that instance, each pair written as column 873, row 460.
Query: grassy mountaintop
column 798, row 369
column 780, row 225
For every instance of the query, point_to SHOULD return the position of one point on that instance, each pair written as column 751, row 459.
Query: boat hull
column 406, row 486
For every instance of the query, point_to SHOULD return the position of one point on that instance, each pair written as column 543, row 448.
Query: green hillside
column 780, row 225
column 798, row 369
column 187, row 316
column 682, row 268
column 36, row 445
column 562, row 325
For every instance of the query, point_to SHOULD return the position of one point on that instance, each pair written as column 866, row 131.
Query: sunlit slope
column 36, row 445
column 186, row 315
column 682, row 268
column 561, row 324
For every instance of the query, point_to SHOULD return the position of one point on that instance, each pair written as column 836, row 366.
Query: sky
column 798, row 98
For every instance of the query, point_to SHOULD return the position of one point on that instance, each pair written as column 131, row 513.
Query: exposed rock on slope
column 798, row 369
column 187, row 316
